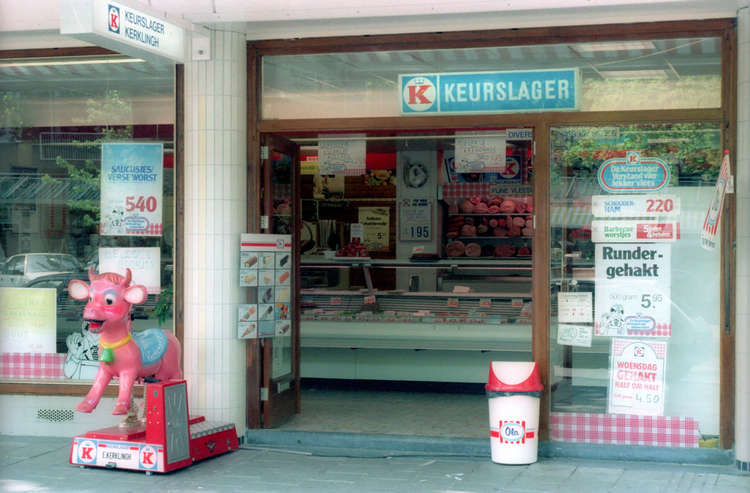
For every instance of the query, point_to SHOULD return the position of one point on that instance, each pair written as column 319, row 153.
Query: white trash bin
column 513, row 391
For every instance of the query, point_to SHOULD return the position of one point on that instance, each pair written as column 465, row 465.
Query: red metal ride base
column 169, row 439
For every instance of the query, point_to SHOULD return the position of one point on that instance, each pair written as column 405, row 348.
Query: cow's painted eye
column 110, row 297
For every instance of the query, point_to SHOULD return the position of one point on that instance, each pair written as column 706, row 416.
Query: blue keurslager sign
column 491, row 92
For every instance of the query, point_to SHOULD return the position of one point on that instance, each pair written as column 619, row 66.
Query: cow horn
column 91, row 273
column 128, row 277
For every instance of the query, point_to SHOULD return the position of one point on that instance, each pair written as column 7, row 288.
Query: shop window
column 614, row 76
column 635, row 298
column 86, row 153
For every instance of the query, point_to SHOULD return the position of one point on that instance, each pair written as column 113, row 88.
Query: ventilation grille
column 55, row 415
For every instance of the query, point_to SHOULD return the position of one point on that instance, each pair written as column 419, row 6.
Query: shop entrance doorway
column 415, row 272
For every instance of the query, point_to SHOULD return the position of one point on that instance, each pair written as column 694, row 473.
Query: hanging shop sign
column 376, row 222
column 28, row 320
column 636, row 384
column 122, row 28
column 415, row 220
column 635, row 205
column 265, row 267
column 131, row 189
column 477, row 154
column 633, row 284
column 711, row 223
column 633, row 174
column 625, row 231
column 341, row 156
column 144, row 263
column 490, row 92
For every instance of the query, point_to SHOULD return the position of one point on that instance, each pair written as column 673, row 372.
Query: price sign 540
column 143, row 204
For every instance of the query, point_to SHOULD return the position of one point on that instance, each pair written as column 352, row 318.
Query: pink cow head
column 110, row 298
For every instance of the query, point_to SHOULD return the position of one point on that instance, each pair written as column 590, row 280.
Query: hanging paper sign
column 376, row 222
column 415, row 220
column 633, row 285
column 635, row 205
column 574, row 335
column 144, row 263
column 341, row 157
column 131, row 189
column 633, row 174
column 711, row 223
column 477, row 154
column 28, row 320
column 624, row 231
column 636, row 384
column 574, row 307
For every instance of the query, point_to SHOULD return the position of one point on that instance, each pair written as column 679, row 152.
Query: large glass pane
column 632, row 75
column 635, row 298
column 56, row 116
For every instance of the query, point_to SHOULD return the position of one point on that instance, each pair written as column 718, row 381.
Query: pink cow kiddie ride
column 122, row 355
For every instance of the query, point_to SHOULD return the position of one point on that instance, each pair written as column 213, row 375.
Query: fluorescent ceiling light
column 634, row 74
column 617, row 46
column 66, row 61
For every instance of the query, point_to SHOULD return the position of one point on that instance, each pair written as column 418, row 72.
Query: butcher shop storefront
column 530, row 195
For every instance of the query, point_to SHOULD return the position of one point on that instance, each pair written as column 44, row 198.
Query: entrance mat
column 620, row 429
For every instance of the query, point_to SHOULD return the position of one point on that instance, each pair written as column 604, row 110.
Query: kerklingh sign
column 490, row 92
column 119, row 27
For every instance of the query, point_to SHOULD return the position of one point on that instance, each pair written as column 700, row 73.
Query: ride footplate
column 209, row 438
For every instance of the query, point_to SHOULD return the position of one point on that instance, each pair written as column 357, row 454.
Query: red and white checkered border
column 622, row 429
column 661, row 330
column 27, row 366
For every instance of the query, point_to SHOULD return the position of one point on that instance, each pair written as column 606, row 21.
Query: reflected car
column 19, row 269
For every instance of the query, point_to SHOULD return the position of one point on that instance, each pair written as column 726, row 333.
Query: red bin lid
column 513, row 376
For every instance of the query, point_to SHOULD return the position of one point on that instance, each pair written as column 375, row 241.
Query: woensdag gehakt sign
column 490, row 92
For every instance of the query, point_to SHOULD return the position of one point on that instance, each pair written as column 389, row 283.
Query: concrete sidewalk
column 41, row 465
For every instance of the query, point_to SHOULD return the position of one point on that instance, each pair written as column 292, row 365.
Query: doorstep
column 481, row 447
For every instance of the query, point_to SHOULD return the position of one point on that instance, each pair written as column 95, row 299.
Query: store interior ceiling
column 666, row 59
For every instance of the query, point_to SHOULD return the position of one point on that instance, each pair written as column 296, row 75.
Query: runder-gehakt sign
column 490, row 92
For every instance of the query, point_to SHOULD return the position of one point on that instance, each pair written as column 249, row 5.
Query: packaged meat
column 500, row 232
column 453, row 209
column 529, row 223
column 473, row 250
column 501, row 222
column 505, row 251
column 482, row 229
column 514, row 231
column 493, row 209
column 456, row 219
column 469, row 230
column 481, row 208
column 520, row 207
column 467, row 207
column 524, row 251
column 452, row 235
column 493, row 223
column 527, row 232
column 469, row 220
column 530, row 205
column 475, row 200
column 519, row 221
column 497, row 201
column 455, row 249
column 508, row 205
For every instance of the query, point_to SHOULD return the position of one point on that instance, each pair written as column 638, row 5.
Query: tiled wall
column 54, row 416
column 742, row 179
column 215, row 216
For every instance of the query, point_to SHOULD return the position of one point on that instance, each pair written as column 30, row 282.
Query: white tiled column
column 215, row 216
column 742, row 178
